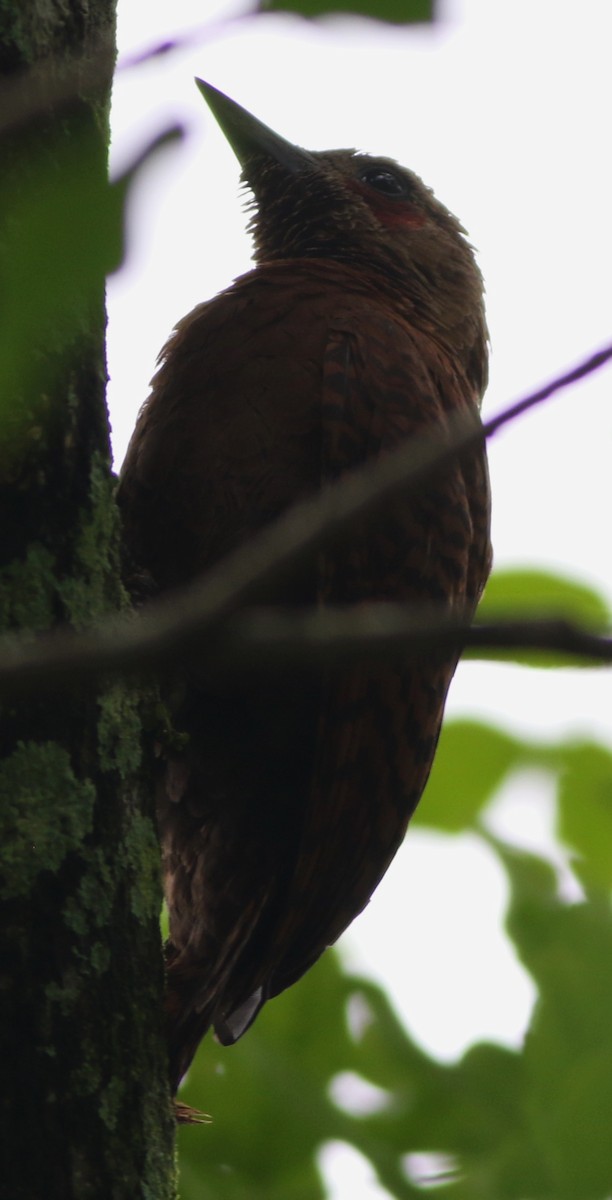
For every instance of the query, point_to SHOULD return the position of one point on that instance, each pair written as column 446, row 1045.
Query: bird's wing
column 285, row 809
column 379, row 723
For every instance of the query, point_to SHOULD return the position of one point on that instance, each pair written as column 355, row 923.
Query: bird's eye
column 384, row 181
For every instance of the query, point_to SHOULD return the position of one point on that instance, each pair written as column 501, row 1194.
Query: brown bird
column 360, row 326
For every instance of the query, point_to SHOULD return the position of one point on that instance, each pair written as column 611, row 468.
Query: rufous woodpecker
column 360, row 325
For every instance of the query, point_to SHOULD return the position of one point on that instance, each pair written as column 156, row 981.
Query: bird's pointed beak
column 248, row 137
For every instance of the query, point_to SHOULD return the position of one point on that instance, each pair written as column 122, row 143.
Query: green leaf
column 568, row 1052
column 272, row 1086
column 533, row 594
column 585, row 810
column 530, row 592
column 398, row 12
column 507, row 1124
column 63, row 232
column 472, row 761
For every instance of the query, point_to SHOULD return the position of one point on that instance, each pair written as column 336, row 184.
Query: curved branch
column 271, row 638
column 174, row 625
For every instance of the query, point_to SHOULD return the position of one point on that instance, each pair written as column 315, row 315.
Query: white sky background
column 505, row 110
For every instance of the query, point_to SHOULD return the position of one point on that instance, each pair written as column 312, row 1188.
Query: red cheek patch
column 392, row 211
column 398, row 214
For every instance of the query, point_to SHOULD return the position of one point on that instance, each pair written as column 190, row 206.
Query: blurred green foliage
column 398, row 12
column 505, row 1125
column 61, row 230
column 530, row 1124
column 530, row 593
column 533, row 592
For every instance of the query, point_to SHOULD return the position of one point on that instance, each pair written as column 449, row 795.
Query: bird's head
column 365, row 211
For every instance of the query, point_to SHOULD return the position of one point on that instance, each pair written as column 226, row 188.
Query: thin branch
column 275, row 637
column 586, row 367
column 197, row 34
column 169, row 628
column 172, row 626
column 316, row 522
column 271, row 638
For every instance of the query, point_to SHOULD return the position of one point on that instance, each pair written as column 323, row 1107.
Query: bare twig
column 586, row 367
column 171, row 627
column 268, row 638
column 203, row 31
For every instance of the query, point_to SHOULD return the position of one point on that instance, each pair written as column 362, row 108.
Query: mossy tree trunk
column 85, row 1107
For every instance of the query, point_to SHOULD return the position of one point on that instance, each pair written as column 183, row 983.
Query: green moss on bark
column 82, row 1052
column 28, row 590
column 36, row 590
column 45, row 813
column 119, row 730
column 94, row 589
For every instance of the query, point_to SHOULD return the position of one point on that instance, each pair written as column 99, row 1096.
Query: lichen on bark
column 81, row 975
column 38, row 836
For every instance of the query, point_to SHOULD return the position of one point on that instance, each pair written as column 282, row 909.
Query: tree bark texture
column 85, row 1107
